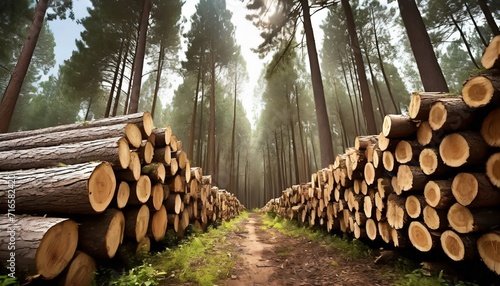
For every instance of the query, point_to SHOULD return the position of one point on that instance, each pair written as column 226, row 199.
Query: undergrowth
column 200, row 258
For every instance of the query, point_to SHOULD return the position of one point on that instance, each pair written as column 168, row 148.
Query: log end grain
column 432, row 194
column 490, row 128
column 491, row 53
column 413, row 206
column 388, row 161
column 477, row 92
column 488, row 246
column 424, row 133
column 133, row 135
column 403, row 152
column 464, row 188
column 122, row 194
column 428, row 160
column 383, row 142
column 158, row 224
column 420, row 236
column 437, row 115
column 454, row 150
column 493, row 169
column 460, row 218
column 80, row 271
column 114, row 235
column 414, row 107
column 56, row 249
column 371, row 229
column 101, row 186
column 452, row 245
column 123, row 153
column 147, row 123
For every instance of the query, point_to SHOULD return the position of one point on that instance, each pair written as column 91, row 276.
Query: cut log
column 133, row 171
column 435, row 219
column 136, row 222
column 431, row 163
column 388, row 161
column 490, row 128
column 451, row 114
column 176, row 184
column 438, row 194
column 371, row 229
column 377, row 158
column 407, row 151
column 488, row 246
column 371, row 174
column 162, row 155
column 458, row 247
column 174, row 146
column 384, row 187
column 428, row 137
column 143, row 120
column 465, row 220
column 140, row 191
column 396, row 214
column 155, row 201
column 155, row 171
column 362, row 142
column 80, row 271
column 43, row 246
column 493, row 169
column 182, row 159
column 475, row 190
column 146, row 152
column 463, row 148
column 414, row 205
column 173, row 220
column 481, row 90
column 121, row 196
column 173, row 204
column 491, row 56
column 398, row 126
column 75, row 189
column 158, row 224
column 421, row 238
column 359, row 232
column 162, row 136
column 100, row 236
column 173, row 168
column 421, row 103
column 399, row 237
column 114, row 150
column 384, row 230
column 385, row 143
column 127, row 130
column 411, row 178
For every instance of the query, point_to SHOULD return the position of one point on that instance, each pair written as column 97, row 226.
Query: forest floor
column 266, row 256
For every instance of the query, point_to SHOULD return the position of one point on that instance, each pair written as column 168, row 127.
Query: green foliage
column 142, row 275
column 417, row 278
column 5, row 280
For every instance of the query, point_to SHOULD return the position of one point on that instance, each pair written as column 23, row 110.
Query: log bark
column 143, row 120
column 463, row 148
column 421, row 103
column 100, row 236
column 37, row 246
column 155, row 171
column 490, row 128
column 136, row 222
column 458, row 247
column 127, row 130
column 465, row 220
column 491, row 56
column 114, row 150
column 452, row 114
column 421, row 238
column 438, row 194
column 481, row 90
column 475, row 190
column 162, row 136
column 162, row 155
column 362, row 142
column 80, row 271
column 75, row 189
column 493, row 169
column 398, row 126
column 488, row 246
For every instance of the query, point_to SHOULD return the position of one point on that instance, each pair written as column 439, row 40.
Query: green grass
column 201, row 258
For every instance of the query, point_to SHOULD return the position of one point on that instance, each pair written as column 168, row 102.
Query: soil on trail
column 269, row 257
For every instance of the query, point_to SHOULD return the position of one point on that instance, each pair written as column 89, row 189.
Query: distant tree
column 60, row 8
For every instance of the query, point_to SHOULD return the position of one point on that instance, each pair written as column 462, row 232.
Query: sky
column 246, row 34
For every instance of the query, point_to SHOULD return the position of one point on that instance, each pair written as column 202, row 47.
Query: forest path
column 266, row 256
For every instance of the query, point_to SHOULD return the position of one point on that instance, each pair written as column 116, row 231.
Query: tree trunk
column 140, row 54
column 86, row 188
column 365, row 90
column 489, row 17
column 120, row 83
column 485, row 43
column 114, row 150
column 429, row 69
column 113, row 84
column 233, row 138
column 325, row 136
column 100, row 236
column 159, row 69
column 211, row 121
column 466, row 43
column 43, row 245
column 9, row 99
column 192, row 126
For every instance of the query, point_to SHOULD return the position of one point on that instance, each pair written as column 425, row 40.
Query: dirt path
column 268, row 257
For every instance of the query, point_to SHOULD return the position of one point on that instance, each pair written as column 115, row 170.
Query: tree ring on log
column 420, row 236
column 464, row 188
column 101, row 186
column 114, row 235
column 477, row 92
column 123, row 153
column 489, row 250
column 454, row 150
column 147, row 123
column 493, row 169
column 490, row 128
column 452, row 245
column 133, row 134
column 460, row 218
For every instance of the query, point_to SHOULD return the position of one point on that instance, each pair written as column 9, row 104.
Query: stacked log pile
column 74, row 194
column 430, row 180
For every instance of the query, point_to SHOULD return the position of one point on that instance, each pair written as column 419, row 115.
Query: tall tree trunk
column 246, row 201
column 238, row 189
column 159, row 69
column 305, row 163
column 325, row 136
column 341, row 118
column 378, row 93
column 363, row 81
column 200, row 130
column 489, row 17
column 120, row 83
column 355, row 121
column 88, row 109
column 233, row 135
column 483, row 40
column 13, row 89
column 467, row 46
column 278, row 163
column 129, row 89
column 211, row 121
column 294, row 145
column 382, row 69
column 193, row 115
column 113, row 84
column 315, row 167
column 139, row 62
column 270, row 181
column 428, row 66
